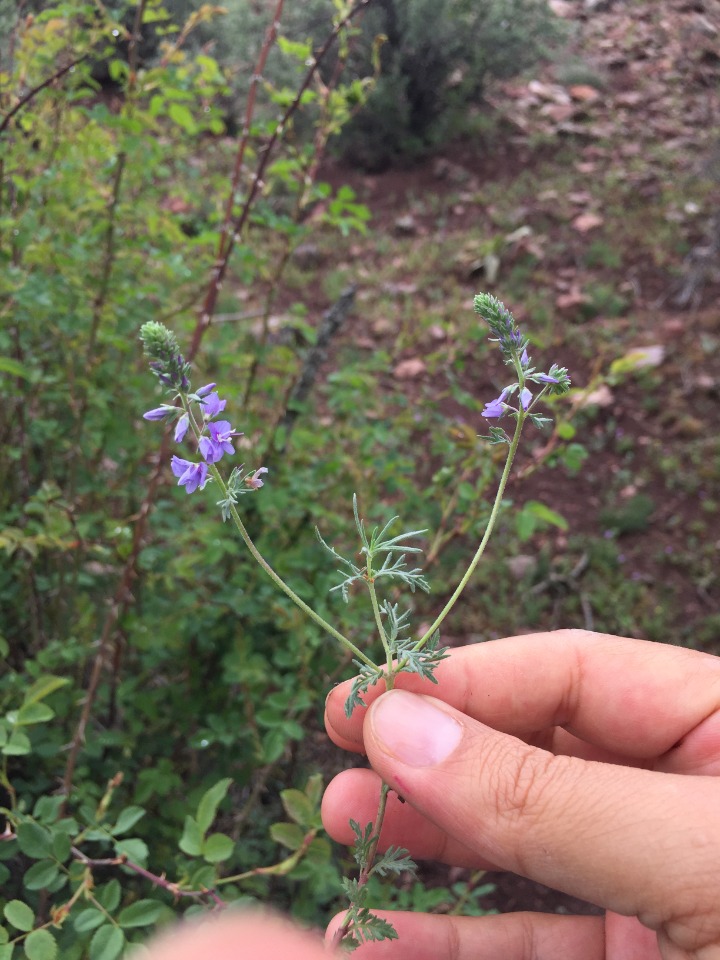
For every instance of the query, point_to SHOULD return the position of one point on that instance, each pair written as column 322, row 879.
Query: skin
column 587, row 762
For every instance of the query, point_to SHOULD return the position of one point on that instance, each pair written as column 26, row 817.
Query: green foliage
column 435, row 60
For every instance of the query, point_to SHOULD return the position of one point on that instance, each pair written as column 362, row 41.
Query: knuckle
column 527, row 786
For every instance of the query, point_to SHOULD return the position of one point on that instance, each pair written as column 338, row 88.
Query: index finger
column 634, row 698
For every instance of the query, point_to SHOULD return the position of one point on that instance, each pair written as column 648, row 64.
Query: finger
column 354, row 794
column 514, row 936
column 628, row 698
column 634, row 841
column 236, row 936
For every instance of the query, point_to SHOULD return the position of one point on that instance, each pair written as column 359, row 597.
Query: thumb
column 634, row 841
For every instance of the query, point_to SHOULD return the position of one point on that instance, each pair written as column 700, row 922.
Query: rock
column 406, row 226
column 308, row 256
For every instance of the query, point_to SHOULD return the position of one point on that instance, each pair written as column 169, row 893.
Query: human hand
column 236, row 935
column 584, row 761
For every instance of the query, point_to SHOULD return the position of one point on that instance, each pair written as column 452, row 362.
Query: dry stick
column 331, row 322
column 233, row 227
column 301, row 210
column 156, row 880
column 33, row 93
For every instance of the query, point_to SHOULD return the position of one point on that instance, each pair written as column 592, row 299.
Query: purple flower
column 191, row 475
column 254, row 481
column 525, row 398
column 496, row 408
column 219, row 442
column 524, row 359
column 545, row 378
column 159, row 413
column 181, row 428
column 213, row 405
column 204, row 391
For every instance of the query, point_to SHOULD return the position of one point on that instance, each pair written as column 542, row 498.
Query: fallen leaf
column 638, row 358
column 409, row 369
column 584, row 92
column 599, row 397
column 567, row 302
column 586, row 222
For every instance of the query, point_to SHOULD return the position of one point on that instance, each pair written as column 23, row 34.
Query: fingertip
column 352, row 793
column 236, row 935
column 345, row 732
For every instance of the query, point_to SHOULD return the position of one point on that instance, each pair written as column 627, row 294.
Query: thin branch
column 158, row 881
column 31, row 94
column 233, row 227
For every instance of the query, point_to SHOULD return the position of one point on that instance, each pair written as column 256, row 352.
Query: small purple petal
column 159, row 413
column 204, row 391
column 191, row 475
column 524, row 359
column 525, row 398
column 544, row 378
column 221, row 432
column 181, row 428
column 211, row 451
column 213, row 405
column 496, row 408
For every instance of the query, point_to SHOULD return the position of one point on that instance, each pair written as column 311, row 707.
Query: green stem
column 377, row 826
column 276, row 578
column 378, row 617
column 522, row 416
column 279, row 582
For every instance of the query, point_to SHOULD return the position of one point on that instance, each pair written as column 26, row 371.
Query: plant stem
column 376, row 612
column 512, row 450
column 279, row 582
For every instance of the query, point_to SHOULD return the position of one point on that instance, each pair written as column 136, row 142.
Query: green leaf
column 15, row 369
column 89, row 919
column 209, row 802
column 40, row 945
column 108, row 896
column 191, row 841
column 273, row 745
column 19, row 915
column 18, row 745
column 34, row 841
column 544, row 513
column 4, row 935
column 40, row 875
column 44, row 687
column 30, row 713
column 4, row 877
column 566, row 431
column 140, row 914
column 127, row 819
column 217, row 847
column 288, row 834
column 47, row 808
column 182, row 116
column 314, row 789
column 107, row 943
column 298, row 807
column 6, row 951
column 134, row 849
column 61, row 845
